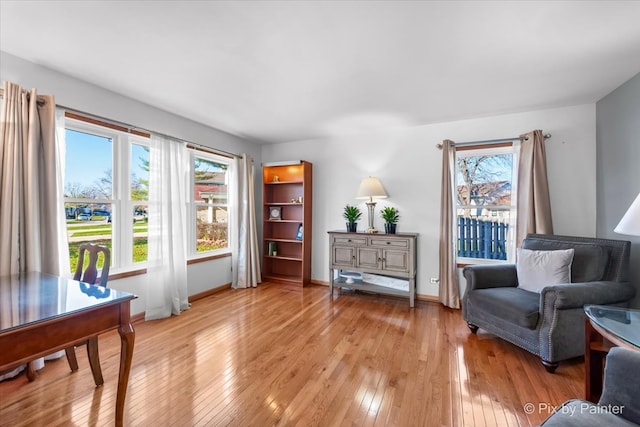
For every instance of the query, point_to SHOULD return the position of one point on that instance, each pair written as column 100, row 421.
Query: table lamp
column 630, row 222
column 371, row 188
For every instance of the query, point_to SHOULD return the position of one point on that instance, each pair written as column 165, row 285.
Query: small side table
column 606, row 327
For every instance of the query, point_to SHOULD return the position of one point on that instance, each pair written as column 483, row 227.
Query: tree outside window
column 484, row 201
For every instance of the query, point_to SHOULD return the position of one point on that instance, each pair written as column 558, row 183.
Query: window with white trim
column 106, row 187
column 105, row 191
column 209, row 203
column 486, row 202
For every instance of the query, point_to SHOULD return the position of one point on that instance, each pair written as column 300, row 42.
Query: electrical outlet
column 435, row 280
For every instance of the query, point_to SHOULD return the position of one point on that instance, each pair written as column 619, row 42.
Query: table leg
column 594, row 356
column 31, row 371
column 71, row 358
column 94, row 360
column 127, row 337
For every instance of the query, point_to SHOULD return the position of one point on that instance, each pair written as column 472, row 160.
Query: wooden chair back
column 90, row 274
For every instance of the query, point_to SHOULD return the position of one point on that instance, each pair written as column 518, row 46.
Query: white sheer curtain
column 167, row 254
column 61, row 221
column 245, row 254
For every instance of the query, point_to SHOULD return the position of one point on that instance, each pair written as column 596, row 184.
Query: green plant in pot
column 391, row 216
column 352, row 214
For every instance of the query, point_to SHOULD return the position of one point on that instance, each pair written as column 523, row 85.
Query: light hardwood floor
column 282, row 355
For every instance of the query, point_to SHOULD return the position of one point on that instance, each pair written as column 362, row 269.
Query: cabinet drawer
column 349, row 241
column 389, row 242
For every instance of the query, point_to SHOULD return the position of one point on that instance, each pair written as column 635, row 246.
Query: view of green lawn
column 209, row 238
column 102, row 234
column 139, row 251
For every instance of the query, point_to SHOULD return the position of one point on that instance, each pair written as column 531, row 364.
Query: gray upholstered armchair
column 549, row 324
column 619, row 404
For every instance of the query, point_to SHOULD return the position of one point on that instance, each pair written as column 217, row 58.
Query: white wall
column 406, row 161
column 79, row 95
column 409, row 166
column 618, row 127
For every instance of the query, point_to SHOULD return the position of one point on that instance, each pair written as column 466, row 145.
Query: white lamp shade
column 630, row 222
column 371, row 187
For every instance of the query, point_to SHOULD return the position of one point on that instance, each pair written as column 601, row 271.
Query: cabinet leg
column 331, row 283
column 412, row 293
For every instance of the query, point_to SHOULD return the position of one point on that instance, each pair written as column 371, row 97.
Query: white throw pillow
column 538, row 269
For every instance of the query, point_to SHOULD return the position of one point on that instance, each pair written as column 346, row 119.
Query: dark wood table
column 41, row 314
column 606, row 327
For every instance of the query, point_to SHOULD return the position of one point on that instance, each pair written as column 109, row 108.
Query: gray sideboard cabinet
column 392, row 255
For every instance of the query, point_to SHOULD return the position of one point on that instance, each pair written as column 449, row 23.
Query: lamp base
column 371, row 206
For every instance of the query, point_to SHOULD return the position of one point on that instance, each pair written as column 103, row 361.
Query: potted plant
column 352, row 214
column 391, row 217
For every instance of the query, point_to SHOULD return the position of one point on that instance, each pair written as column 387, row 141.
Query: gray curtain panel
column 533, row 203
column 28, row 183
column 449, row 293
column 246, row 255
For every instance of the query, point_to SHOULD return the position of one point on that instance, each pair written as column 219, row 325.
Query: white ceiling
column 285, row 71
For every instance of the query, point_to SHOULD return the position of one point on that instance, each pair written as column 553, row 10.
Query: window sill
column 140, row 271
column 463, row 262
column 210, row 257
column 125, row 274
column 120, row 274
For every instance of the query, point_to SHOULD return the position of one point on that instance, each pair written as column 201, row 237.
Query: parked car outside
column 70, row 212
column 100, row 215
column 139, row 215
column 84, row 217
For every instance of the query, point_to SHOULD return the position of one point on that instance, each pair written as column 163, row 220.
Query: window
column 485, row 201
column 105, row 191
column 209, row 205
column 106, row 194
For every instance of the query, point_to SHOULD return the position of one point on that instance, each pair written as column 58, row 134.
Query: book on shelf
column 299, row 233
column 273, row 249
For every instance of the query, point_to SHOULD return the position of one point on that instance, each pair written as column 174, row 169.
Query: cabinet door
column 395, row 260
column 368, row 258
column 343, row 256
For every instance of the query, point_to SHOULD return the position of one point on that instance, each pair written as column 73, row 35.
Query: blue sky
column 89, row 156
column 496, row 171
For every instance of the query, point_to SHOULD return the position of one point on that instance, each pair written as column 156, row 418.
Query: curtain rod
column 136, row 128
column 490, row 141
